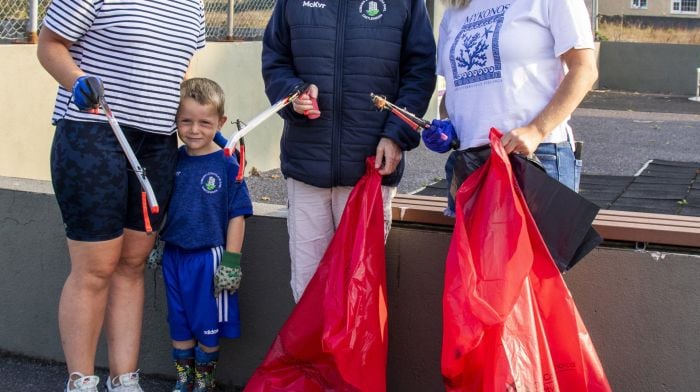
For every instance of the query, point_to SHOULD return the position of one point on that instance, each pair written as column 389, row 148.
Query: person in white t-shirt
column 521, row 66
column 136, row 54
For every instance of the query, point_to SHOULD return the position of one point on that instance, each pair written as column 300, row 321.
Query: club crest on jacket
column 372, row 10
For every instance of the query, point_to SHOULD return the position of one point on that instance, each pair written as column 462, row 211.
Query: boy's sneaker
column 82, row 383
column 127, row 382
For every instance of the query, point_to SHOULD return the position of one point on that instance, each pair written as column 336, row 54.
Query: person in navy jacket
column 344, row 50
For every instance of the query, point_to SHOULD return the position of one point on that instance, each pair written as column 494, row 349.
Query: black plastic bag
column 563, row 217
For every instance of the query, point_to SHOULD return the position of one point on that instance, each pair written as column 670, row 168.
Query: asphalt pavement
column 621, row 132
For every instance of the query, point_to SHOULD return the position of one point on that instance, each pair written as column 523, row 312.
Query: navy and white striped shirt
column 140, row 49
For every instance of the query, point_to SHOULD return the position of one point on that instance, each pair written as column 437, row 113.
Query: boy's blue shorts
column 193, row 312
column 96, row 189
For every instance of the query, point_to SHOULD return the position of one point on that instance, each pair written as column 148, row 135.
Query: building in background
column 656, row 13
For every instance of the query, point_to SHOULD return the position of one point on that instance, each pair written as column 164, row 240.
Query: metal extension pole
column 33, row 22
column 264, row 115
column 131, row 157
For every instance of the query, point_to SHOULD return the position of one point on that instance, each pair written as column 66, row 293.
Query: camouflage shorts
column 96, row 190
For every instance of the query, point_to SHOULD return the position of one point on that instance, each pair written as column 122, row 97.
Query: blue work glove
column 440, row 137
column 228, row 275
column 87, row 91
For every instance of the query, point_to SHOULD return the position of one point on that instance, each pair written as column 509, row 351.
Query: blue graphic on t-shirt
column 474, row 54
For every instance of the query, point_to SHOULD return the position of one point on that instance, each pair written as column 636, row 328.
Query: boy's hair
column 205, row 92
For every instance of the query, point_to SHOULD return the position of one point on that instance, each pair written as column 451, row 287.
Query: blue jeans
column 559, row 162
column 557, row 159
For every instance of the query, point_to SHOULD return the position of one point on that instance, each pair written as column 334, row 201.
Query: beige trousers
column 313, row 216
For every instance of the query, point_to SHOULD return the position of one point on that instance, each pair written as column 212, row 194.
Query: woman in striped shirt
column 138, row 52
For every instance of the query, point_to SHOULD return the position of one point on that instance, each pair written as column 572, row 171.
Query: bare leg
column 125, row 304
column 183, row 344
column 83, row 301
column 208, row 349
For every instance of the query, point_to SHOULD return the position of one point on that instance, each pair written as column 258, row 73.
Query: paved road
column 621, row 132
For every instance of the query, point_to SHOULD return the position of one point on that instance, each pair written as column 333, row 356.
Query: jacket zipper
column 337, row 93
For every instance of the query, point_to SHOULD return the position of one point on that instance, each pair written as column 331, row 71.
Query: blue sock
column 183, row 354
column 204, row 357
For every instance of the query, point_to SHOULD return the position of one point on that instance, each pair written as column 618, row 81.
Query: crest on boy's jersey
column 474, row 54
column 210, row 182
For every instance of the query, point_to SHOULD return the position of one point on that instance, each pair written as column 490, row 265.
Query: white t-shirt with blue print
column 501, row 63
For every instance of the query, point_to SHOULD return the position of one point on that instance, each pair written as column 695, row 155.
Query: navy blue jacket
column 348, row 49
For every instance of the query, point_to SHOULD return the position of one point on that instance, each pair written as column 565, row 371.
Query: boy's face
column 196, row 126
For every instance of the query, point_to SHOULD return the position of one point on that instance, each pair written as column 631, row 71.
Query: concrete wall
column 641, row 308
column 652, row 68
column 27, row 94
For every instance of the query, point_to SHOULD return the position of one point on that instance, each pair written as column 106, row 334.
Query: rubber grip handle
column 454, row 144
column 314, row 103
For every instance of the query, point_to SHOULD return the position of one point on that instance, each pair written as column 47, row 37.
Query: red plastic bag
column 509, row 322
column 336, row 337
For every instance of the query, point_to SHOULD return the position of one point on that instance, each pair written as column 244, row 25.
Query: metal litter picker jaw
column 148, row 197
column 418, row 124
column 415, row 122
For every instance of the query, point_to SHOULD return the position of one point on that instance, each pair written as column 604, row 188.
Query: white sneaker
column 127, row 382
column 82, row 383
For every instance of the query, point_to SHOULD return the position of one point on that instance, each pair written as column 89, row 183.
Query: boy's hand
column 228, row 275
column 220, row 139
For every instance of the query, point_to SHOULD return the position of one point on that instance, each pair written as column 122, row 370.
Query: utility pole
column 594, row 16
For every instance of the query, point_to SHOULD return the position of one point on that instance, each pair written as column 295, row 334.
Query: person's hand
column 228, row 275
column 87, row 91
column 440, row 137
column 523, row 140
column 388, row 156
column 306, row 105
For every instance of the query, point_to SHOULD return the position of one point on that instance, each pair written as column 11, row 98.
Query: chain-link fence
column 225, row 19
column 237, row 20
column 19, row 19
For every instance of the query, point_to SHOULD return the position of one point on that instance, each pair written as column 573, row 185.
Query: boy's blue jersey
column 205, row 197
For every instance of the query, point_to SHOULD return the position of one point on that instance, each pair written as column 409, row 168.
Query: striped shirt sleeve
column 71, row 19
column 139, row 48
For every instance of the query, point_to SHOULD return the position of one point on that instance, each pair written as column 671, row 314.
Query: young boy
column 206, row 214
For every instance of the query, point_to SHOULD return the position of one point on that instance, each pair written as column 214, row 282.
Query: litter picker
column 267, row 113
column 241, row 152
column 221, row 141
column 148, row 197
column 418, row 124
